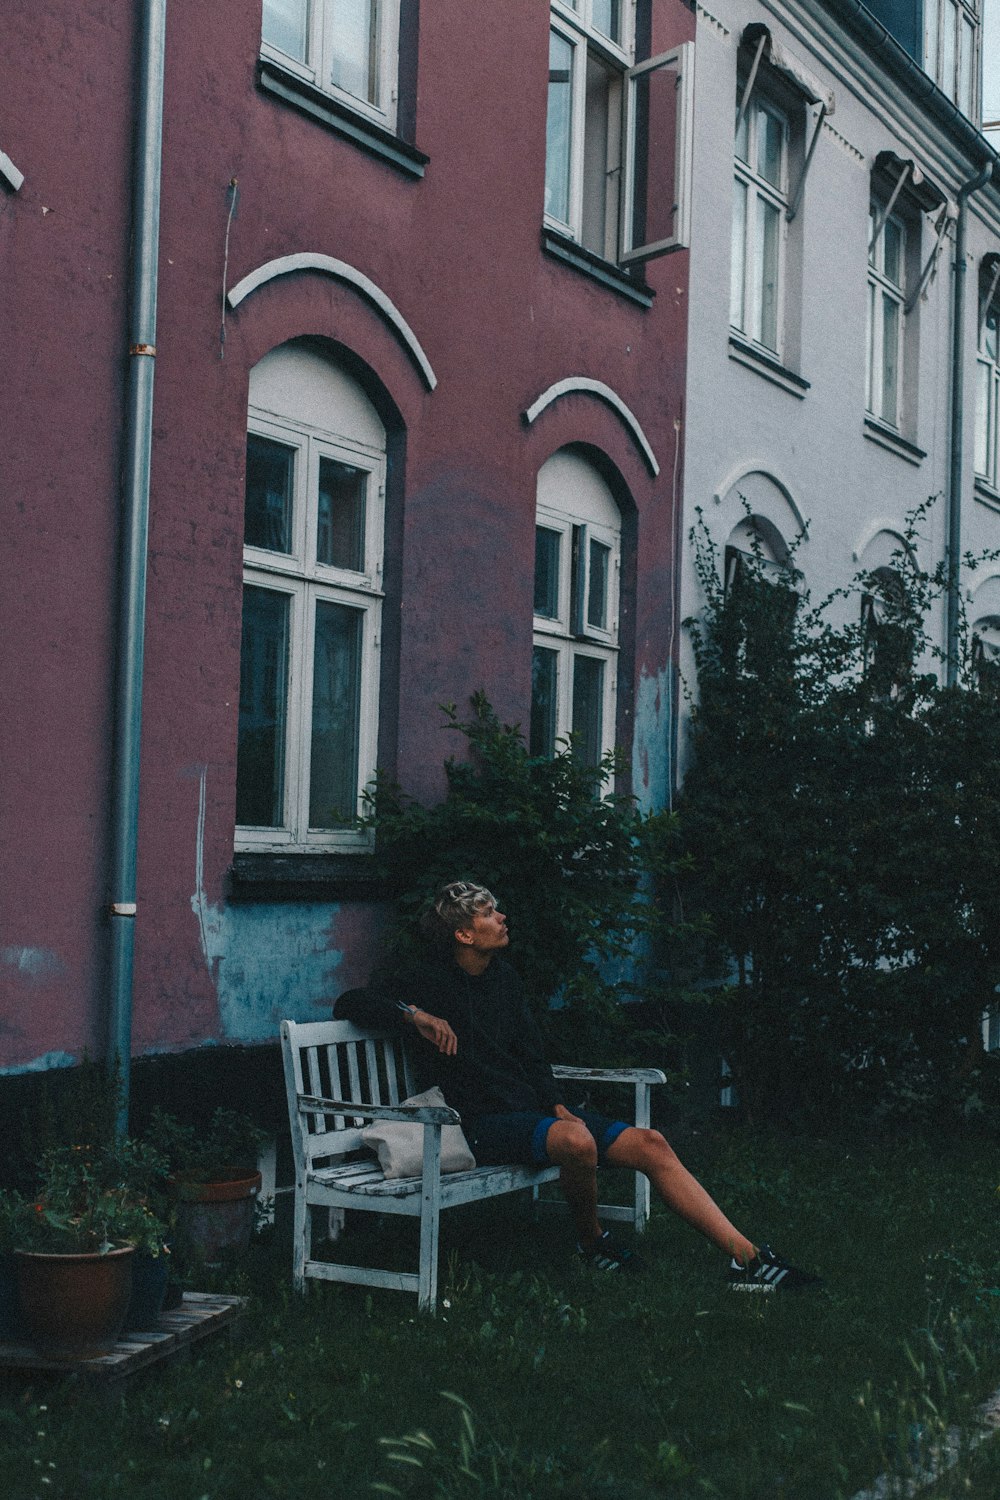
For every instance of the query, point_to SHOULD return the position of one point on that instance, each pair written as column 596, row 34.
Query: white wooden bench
column 340, row 1077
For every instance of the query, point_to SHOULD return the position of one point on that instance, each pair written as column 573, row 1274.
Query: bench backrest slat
column 335, row 1059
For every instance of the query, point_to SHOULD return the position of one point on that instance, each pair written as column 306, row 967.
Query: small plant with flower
column 89, row 1199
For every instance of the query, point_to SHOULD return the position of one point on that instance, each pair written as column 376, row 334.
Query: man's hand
column 562, row 1113
column 435, row 1030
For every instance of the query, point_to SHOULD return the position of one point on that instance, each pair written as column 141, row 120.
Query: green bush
column 566, row 863
column 842, row 818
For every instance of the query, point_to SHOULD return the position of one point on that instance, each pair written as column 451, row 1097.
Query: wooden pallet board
column 200, row 1315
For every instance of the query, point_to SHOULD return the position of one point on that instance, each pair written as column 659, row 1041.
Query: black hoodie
column 500, row 1065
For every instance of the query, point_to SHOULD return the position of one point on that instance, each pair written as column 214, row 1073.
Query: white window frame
column 306, row 582
column 987, row 442
column 574, row 25
column 748, row 257
column 569, row 637
column 879, row 287
column 315, row 68
column 951, row 51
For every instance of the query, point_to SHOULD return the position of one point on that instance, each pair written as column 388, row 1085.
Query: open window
column 618, row 135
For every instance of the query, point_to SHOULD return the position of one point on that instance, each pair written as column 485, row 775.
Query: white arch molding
column 890, row 530
column 773, row 487
column 582, row 384
column 340, row 271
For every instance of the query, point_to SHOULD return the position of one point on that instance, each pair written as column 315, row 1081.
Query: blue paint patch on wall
column 651, row 741
column 269, row 963
column 33, row 965
column 41, row 1064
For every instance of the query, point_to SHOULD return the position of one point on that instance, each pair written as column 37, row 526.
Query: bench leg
column 301, row 1237
column 430, row 1219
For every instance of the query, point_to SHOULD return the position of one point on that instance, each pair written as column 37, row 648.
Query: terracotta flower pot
column 215, row 1218
column 74, row 1305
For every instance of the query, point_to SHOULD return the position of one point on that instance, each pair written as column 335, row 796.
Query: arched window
column 986, row 656
column 577, row 566
column 312, row 581
column 888, row 636
column 762, row 596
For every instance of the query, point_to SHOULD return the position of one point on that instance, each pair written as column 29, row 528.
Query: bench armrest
column 613, row 1075
column 422, row 1114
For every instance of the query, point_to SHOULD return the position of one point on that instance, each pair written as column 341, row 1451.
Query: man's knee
column 641, row 1148
column 570, row 1143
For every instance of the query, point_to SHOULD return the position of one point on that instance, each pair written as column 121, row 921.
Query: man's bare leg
column 647, row 1151
column 572, row 1147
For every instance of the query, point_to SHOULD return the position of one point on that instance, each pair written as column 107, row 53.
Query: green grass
column 664, row 1387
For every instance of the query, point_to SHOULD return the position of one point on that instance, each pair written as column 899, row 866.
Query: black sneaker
column 767, row 1272
column 608, row 1255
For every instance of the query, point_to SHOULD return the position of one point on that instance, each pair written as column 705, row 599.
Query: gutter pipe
column 135, row 531
column 957, row 439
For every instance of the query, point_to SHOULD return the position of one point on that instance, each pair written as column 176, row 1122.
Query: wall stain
column 33, row 965
column 651, row 741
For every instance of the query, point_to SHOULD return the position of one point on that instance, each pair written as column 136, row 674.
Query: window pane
column 991, row 334
column 340, row 536
column 768, row 232
column 547, row 547
column 871, row 368
column 285, row 26
column 597, row 179
column 770, row 137
column 260, row 756
column 984, row 384
column 336, row 709
column 890, row 359
column 892, row 252
column 931, row 36
column 558, row 128
column 597, row 588
column 544, row 698
column 737, row 313
column 965, row 91
column 607, row 18
column 354, row 47
column 947, row 79
column 268, row 510
column 588, row 709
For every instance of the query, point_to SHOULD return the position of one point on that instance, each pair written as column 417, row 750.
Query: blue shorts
column 520, row 1136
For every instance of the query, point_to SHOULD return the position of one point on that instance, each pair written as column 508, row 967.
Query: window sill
column 984, row 492
column 755, row 359
column 605, row 271
column 273, row 79
column 893, row 442
column 305, row 877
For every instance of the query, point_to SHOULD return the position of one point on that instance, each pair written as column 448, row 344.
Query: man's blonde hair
column 455, row 906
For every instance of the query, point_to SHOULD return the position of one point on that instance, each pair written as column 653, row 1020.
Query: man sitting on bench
column 469, row 1004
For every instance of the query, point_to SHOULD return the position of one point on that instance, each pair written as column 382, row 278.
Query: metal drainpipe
column 135, row 529
column 954, row 554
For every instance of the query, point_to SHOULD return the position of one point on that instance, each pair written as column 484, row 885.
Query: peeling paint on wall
column 651, row 741
column 272, row 961
column 33, row 965
column 42, row 1064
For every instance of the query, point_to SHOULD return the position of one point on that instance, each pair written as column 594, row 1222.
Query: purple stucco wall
column 459, row 255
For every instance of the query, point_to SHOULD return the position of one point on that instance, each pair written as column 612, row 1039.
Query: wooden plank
column 200, row 1315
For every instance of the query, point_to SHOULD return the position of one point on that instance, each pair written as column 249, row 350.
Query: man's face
column 486, row 933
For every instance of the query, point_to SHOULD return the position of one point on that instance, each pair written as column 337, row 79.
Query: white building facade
column 834, row 183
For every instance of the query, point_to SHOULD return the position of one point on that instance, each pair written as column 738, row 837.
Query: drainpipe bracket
column 123, row 908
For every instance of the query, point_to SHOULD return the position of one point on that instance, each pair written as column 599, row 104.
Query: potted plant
column 213, row 1179
column 74, row 1243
